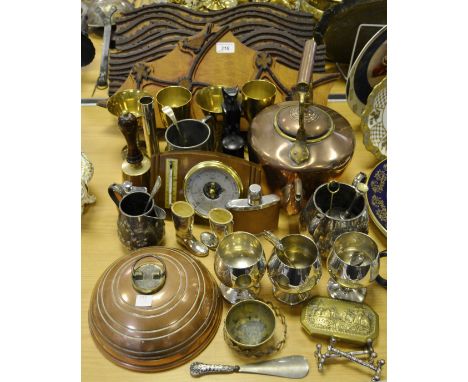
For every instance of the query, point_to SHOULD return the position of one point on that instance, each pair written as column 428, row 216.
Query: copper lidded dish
column 154, row 310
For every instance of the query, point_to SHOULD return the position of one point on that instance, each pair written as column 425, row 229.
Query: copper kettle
column 300, row 145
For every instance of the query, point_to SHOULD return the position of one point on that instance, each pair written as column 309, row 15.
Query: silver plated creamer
column 137, row 226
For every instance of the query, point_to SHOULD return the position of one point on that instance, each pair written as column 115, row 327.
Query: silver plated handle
column 314, row 223
column 359, row 178
column 197, row 369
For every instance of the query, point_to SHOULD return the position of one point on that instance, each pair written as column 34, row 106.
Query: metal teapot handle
column 118, row 191
column 359, row 178
column 380, row 280
column 313, row 224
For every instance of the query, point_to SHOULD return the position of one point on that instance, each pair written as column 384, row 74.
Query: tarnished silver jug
column 333, row 209
column 137, row 226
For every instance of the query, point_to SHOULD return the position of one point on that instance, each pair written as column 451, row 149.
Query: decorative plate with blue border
column 377, row 196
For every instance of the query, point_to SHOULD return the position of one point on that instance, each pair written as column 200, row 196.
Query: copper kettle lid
column 317, row 123
column 155, row 309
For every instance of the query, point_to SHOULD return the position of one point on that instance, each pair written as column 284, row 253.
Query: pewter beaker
column 331, row 212
column 137, row 227
column 296, row 270
column 239, row 264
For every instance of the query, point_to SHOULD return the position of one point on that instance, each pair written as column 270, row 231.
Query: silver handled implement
column 294, row 366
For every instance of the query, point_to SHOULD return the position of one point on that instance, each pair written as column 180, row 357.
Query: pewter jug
column 136, row 226
column 333, row 209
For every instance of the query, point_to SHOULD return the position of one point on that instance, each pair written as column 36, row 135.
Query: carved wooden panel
column 151, row 32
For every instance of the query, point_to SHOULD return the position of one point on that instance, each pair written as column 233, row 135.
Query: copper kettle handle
column 304, row 76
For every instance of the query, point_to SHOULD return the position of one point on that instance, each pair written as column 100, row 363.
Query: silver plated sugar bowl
column 333, row 209
column 239, row 265
column 294, row 269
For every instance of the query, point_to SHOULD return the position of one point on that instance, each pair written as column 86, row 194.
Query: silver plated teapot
column 333, row 209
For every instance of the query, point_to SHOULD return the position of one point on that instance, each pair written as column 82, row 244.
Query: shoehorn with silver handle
column 295, row 366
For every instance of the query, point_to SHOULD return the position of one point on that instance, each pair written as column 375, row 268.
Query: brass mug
column 256, row 96
column 178, row 98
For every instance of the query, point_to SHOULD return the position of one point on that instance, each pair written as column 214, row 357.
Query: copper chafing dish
column 299, row 144
column 154, row 310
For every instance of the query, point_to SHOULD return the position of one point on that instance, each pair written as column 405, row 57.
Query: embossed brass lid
column 317, row 123
column 346, row 320
column 162, row 329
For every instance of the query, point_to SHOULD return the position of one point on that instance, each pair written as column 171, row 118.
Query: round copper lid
column 317, row 123
column 147, row 331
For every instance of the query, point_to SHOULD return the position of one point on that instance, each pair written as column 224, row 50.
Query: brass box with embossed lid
column 346, row 320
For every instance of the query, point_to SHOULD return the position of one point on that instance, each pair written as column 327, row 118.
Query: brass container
column 158, row 318
column 344, row 320
column 210, row 100
column 178, row 98
column 256, row 96
column 126, row 101
column 249, row 324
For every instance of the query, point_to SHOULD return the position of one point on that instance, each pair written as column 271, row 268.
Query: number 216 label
column 225, row 47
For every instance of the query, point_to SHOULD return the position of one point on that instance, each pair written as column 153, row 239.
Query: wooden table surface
column 102, row 142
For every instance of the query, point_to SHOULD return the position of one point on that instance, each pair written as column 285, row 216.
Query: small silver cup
column 353, row 265
column 221, row 222
column 296, row 270
column 239, row 265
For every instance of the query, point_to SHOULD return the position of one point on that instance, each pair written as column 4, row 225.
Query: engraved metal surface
column 345, row 320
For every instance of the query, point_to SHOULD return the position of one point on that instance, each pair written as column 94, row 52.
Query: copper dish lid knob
column 149, row 277
column 154, row 310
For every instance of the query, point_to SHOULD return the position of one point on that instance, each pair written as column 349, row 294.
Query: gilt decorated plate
column 377, row 196
column 367, row 71
column 374, row 121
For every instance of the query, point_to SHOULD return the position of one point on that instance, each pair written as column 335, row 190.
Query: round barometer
column 211, row 184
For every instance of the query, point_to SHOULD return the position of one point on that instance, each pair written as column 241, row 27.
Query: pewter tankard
column 333, row 209
column 136, row 226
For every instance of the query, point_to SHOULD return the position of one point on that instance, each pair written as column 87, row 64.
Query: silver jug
column 333, row 209
column 137, row 227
